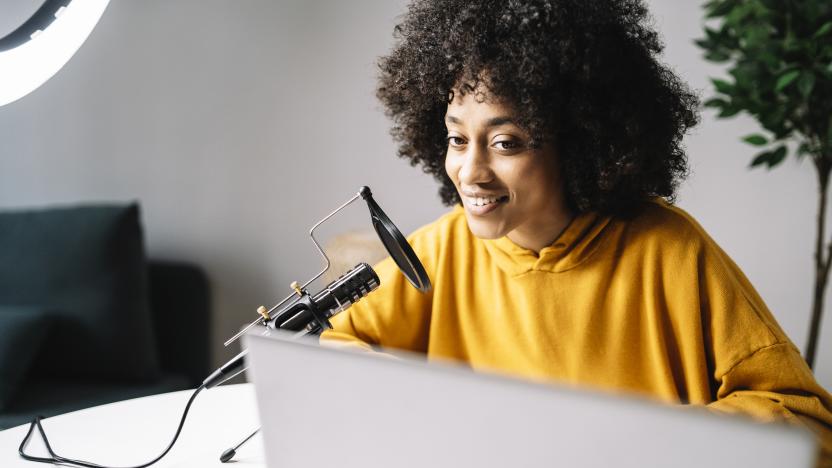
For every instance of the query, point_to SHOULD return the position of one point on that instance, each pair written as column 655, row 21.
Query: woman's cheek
column 452, row 167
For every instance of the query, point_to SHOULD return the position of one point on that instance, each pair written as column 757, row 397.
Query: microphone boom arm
column 266, row 315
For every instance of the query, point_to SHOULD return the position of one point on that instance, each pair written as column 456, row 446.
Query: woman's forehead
column 473, row 105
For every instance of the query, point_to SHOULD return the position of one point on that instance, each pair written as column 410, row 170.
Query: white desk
column 135, row 431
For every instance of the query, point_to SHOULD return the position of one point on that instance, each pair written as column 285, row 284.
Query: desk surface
column 135, row 431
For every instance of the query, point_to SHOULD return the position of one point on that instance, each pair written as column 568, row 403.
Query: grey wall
column 238, row 124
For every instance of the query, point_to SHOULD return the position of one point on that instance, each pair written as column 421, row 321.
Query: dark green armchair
column 86, row 319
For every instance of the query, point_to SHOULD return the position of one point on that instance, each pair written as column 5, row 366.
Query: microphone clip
column 318, row 323
column 305, row 302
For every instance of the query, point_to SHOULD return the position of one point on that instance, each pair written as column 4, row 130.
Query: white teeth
column 482, row 201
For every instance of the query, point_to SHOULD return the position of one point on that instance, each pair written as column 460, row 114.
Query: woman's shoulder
column 662, row 219
column 668, row 226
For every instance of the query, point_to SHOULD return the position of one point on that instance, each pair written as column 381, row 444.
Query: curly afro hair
column 583, row 73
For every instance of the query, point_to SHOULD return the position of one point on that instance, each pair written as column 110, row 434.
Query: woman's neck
column 541, row 233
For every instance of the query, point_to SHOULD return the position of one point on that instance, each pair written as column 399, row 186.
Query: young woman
column 556, row 133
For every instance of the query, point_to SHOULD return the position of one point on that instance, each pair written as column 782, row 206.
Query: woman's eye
column 506, row 144
column 455, row 141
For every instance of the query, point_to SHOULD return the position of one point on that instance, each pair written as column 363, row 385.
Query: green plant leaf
column 739, row 13
column 761, row 158
column 722, row 86
column 704, row 44
column 729, row 111
column 786, row 80
column 771, row 58
column 823, row 30
column 792, row 44
column 715, row 102
column 712, row 34
column 747, row 73
column 806, row 83
column 778, row 62
column 756, row 36
column 717, row 9
column 772, row 119
column 755, row 139
column 717, row 57
column 777, row 156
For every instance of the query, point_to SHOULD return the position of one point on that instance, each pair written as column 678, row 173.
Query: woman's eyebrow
column 492, row 122
column 497, row 121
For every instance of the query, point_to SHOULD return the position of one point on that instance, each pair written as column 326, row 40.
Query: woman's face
column 507, row 188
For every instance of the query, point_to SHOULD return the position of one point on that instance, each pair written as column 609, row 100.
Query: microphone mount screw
column 296, row 287
column 264, row 312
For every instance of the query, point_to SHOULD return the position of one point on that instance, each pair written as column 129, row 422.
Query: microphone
column 309, row 313
column 313, row 313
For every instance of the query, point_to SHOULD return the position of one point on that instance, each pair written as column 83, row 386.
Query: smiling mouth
column 484, row 201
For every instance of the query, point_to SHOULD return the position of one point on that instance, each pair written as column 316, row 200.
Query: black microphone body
column 313, row 312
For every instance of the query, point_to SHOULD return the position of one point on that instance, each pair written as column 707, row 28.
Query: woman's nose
column 475, row 167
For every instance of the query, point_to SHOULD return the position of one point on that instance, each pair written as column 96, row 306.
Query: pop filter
column 396, row 244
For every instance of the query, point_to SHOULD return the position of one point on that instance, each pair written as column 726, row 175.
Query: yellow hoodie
column 648, row 306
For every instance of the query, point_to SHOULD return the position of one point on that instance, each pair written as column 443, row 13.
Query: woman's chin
column 484, row 229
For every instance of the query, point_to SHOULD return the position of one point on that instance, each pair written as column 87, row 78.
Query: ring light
column 34, row 52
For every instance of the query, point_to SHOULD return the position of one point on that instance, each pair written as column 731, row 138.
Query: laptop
column 326, row 407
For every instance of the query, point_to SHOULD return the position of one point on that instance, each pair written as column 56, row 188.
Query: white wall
column 237, row 124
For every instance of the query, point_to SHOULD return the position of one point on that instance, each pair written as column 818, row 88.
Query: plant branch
column 822, row 262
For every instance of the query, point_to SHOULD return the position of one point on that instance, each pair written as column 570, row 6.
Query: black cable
column 55, row 458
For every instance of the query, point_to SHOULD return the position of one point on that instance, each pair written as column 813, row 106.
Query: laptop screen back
column 333, row 408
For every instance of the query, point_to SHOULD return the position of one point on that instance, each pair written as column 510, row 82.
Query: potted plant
column 778, row 54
